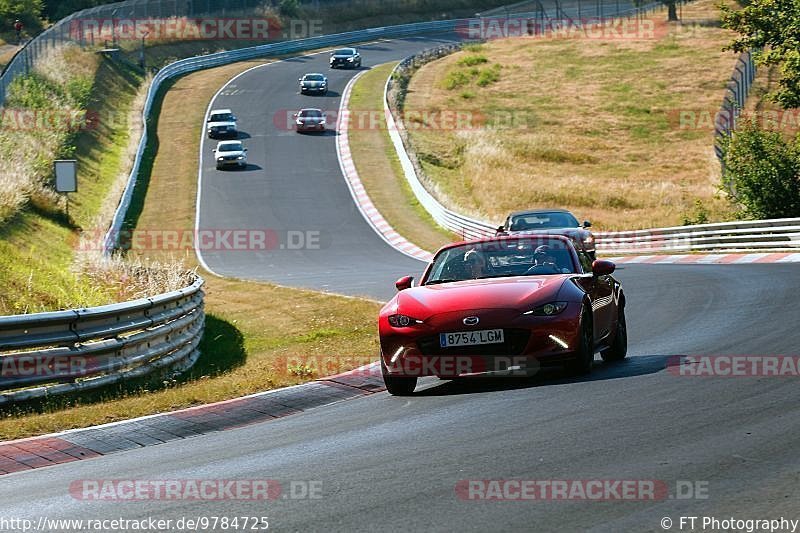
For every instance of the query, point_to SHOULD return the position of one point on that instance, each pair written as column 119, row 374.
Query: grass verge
column 379, row 167
column 585, row 124
column 37, row 269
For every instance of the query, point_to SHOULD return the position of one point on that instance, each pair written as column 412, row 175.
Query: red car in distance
column 508, row 303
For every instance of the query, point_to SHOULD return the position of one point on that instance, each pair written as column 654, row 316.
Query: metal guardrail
column 775, row 235
column 44, row 354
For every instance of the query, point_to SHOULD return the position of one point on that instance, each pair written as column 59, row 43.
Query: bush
column 27, row 11
column 762, row 169
column 488, row 76
column 472, row 60
column 289, row 8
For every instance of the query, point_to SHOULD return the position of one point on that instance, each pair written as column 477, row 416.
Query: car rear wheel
column 619, row 348
column 584, row 357
column 398, row 385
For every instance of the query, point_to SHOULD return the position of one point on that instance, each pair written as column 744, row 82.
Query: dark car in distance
column 553, row 221
column 345, row 57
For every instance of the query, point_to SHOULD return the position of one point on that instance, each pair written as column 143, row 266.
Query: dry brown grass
column 132, row 278
column 595, row 128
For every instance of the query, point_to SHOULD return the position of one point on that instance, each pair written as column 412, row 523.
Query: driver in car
column 543, row 262
column 475, row 263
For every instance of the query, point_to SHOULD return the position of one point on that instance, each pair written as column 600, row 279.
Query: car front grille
column 515, row 342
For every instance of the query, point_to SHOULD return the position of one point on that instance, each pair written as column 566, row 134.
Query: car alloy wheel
column 397, row 385
column 584, row 357
column 619, row 348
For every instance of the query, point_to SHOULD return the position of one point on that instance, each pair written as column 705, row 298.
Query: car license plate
column 471, row 338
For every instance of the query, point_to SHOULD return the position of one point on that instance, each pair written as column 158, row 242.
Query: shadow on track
column 634, row 366
column 326, row 133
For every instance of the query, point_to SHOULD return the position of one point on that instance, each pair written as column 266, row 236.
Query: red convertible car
column 502, row 304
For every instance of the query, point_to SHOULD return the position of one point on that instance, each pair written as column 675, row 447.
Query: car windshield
column 533, row 256
column 314, row 77
column 230, row 147
column 534, row 221
column 311, row 113
column 221, row 117
column 344, row 52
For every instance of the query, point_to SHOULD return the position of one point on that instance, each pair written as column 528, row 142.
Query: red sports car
column 509, row 303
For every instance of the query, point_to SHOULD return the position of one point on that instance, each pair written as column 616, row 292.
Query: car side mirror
column 587, row 224
column 501, row 229
column 213, row 149
column 404, row 283
column 294, row 115
column 601, row 267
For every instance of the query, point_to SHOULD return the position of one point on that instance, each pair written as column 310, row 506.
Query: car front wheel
column 619, row 348
column 584, row 356
column 398, row 385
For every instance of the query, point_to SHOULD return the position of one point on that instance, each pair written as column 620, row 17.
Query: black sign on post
column 66, row 172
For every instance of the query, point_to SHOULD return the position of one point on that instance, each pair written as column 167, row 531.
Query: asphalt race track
column 389, row 463
column 293, row 187
column 392, row 464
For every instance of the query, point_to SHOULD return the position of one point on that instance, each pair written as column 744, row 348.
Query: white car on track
column 221, row 123
column 230, row 154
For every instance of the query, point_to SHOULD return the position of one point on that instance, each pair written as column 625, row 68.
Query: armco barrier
column 775, row 235
column 44, row 354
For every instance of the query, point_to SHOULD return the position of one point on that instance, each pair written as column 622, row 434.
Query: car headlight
column 240, row 157
column 350, row 59
column 321, row 122
column 589, row 239
column 548, row 309
column 402, row 321
column 220, row 159
column 298, row 122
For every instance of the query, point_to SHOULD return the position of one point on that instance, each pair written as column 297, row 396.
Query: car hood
column 228, row 154
column 519, row 292
column 218, row 124
column 310, row 119
column 312, row 83
column 342, row 56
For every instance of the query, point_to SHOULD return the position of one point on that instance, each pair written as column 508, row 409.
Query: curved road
column 387, row 463
column 293, row 188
